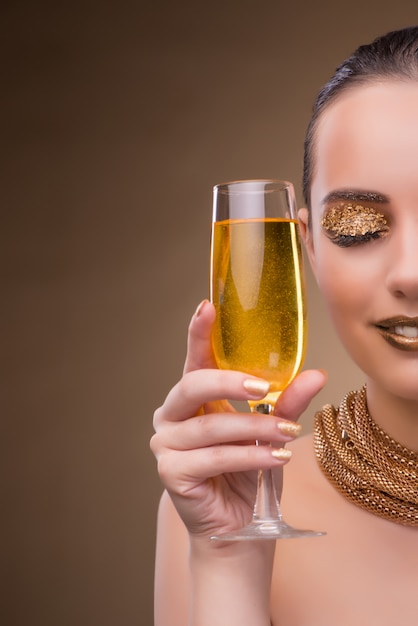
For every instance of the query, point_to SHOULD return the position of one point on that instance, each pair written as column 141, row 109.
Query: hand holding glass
column 257, row 288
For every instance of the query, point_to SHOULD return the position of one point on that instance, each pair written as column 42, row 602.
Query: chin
column 402, row 387
column 393, row 371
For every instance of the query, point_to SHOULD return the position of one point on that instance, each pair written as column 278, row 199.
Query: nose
column 402, row 263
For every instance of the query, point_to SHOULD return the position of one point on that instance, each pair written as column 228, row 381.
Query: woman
column 356, row 476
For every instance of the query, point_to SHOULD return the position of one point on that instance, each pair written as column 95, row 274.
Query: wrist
column 231, row 582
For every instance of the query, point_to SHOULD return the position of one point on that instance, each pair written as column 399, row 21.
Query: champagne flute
column 257, row 288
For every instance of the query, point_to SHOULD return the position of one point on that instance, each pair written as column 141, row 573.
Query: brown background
column 117, row 120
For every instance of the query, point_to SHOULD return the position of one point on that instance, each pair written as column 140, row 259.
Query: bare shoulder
column 363, row 553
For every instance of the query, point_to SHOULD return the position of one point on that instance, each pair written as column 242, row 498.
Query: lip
column 387, row 329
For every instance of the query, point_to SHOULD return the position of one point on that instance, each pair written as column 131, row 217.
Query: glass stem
column 266, row 507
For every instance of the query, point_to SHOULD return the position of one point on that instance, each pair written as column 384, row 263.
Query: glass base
column 268, row 529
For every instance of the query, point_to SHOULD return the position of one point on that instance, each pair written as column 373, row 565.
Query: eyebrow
column 355, row 195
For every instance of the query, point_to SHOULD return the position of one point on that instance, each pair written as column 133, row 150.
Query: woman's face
column 364, row 240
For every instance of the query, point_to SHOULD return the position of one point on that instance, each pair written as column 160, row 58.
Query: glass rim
column 259, row 185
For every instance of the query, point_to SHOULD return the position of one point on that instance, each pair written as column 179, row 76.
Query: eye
column 348, row 225
column 345, row 241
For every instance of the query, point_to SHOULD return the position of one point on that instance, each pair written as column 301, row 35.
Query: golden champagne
column 257, row 288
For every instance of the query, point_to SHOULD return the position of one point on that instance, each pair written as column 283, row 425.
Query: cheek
column 344, row 285
column 346, row 300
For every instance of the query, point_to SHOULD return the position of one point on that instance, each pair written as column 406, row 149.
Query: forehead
column 368, row 139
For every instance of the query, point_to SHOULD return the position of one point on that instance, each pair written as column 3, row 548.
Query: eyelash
column 346, row 241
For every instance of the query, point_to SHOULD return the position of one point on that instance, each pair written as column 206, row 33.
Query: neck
column 397, row 416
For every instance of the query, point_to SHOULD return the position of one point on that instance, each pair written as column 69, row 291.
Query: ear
column 305, row 230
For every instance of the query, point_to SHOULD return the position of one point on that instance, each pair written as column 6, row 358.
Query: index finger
column 203, row 387
column 199, row 346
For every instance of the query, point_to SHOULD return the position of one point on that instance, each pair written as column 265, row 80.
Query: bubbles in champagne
column 257, row 287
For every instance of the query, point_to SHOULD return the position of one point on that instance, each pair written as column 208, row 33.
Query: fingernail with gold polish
column 282, row 454
column 200, row 308
column 289, row 428
column 256, row 387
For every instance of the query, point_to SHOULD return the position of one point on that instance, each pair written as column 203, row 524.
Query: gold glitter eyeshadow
column 353, row 220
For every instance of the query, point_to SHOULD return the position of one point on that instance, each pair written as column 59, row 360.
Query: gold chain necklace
column 366, row 465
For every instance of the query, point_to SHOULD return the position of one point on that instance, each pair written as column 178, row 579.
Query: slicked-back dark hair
column 393, row 56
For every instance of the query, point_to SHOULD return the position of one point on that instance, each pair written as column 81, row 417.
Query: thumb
column 296, row 398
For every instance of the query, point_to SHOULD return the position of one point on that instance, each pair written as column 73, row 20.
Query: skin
column 364, row 570
column 376, row 280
